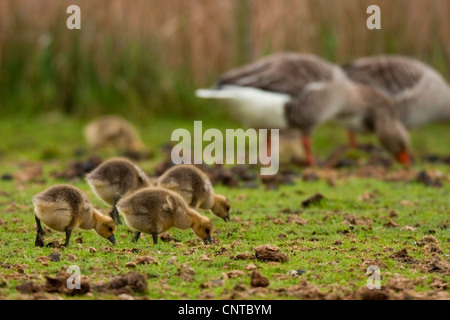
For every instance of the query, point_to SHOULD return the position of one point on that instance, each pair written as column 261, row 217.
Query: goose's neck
column 360, row 97
column 192, row 216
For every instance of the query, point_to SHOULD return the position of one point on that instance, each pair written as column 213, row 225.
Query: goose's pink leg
column 351, row 135
column 307, row 146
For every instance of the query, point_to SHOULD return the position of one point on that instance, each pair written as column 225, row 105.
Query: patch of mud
column 403, row 257
column 313, row 200
column 424, row 178
column 77, row 169
column 186, row 272
column 133, row 282
column 435, row 264
column 56, row 284
column 258, row 280
column 270, row 253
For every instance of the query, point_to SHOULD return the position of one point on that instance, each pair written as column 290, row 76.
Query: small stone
column 130, row 264
column 295, row 273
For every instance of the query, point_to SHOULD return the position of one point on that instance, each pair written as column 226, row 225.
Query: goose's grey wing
column 392, row 74
column 287, row 73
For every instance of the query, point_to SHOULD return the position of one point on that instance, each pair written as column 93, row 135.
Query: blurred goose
column 420, row 94
column 113, row 132
column 299, row 90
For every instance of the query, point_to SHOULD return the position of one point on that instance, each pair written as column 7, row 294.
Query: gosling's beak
column 112, row 239
column 404, row 158
column 227, row 218
column 207, row 240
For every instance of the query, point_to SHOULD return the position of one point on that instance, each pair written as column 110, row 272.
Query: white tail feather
column 215, row 94
column 253, row 107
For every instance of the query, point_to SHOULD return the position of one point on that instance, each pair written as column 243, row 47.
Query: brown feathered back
column 67, row 194
column 120, row 172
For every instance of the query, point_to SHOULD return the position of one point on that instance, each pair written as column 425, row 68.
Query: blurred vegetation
column 146, row 59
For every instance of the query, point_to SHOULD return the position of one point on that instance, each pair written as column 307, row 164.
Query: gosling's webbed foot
column 39, row 242
column 136, row 237
column 155, row 237
column 68, row 234
column 40, row 233
column 115, row 213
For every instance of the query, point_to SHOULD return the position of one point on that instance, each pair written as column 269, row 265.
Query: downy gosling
column 155, row 210
column 196, row 189
column 64, row 208
column 114, row 179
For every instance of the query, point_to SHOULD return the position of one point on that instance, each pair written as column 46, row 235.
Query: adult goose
column 301, row 90
column 420, row 94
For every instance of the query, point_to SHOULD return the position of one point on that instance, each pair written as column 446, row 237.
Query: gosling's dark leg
column 68, row 234
column 40, row 234
column 115, row 213
column 155, row 237
column 136, row 236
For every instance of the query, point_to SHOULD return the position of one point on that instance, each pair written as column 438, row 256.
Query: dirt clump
column 55, row 256
column 258, row 280
column 430, row 244
column 270, row 253
column 244, row 256
column 59, row 284
column 77, row 169
column 424, row 178
column 403, row 256
column 186, row 272
column 435, row 264
column 28, row 288
column 315, row 199
column 133, row 282
column 145, row 260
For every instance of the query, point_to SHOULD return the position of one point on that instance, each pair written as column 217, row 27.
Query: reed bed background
column 146, row 57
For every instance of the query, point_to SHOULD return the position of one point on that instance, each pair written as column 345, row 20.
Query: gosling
column 155, row 210
column 196, row 189
column 114, row 179
column 113, row 132
column 64, row 208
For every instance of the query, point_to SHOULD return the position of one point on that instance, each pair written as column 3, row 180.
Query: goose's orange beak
column 404, row 158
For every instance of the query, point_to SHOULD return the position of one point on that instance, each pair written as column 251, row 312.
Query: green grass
column 52, row 139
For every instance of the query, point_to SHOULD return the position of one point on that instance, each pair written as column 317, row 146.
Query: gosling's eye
column 207, row 231
column 110, row 229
